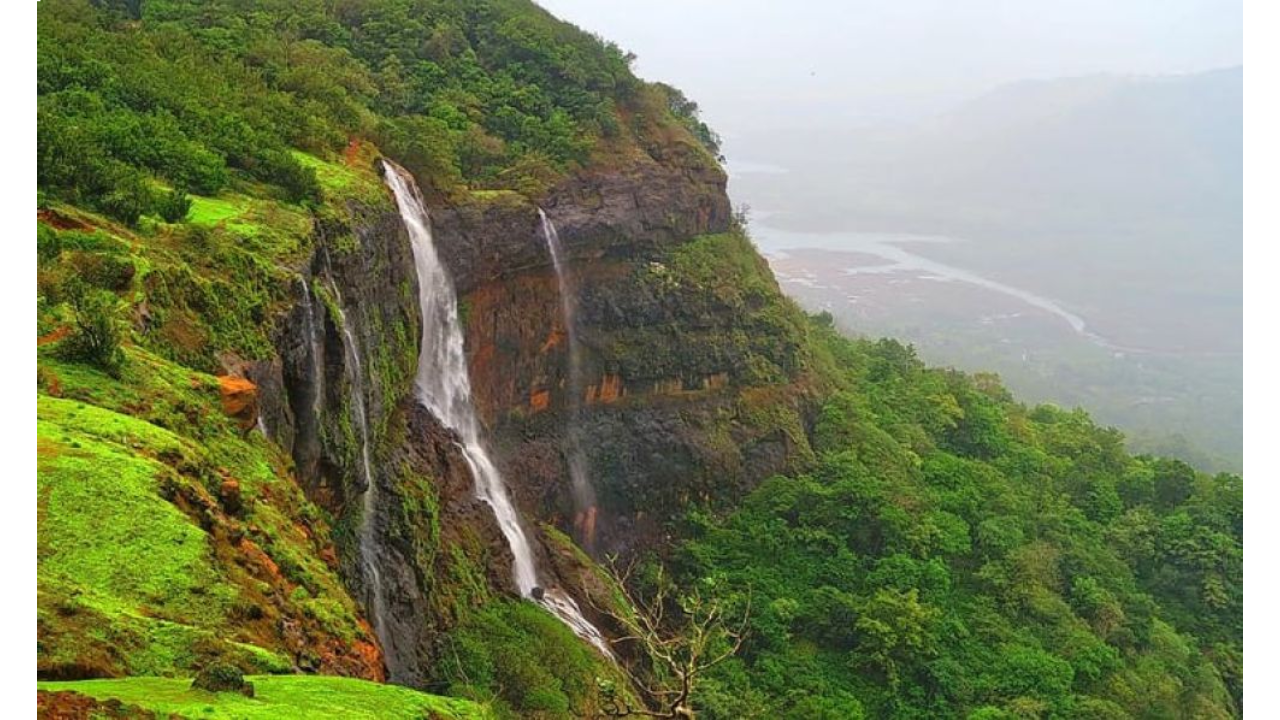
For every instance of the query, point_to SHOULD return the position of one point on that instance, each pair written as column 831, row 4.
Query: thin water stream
column 584, row 496
column 443, row 386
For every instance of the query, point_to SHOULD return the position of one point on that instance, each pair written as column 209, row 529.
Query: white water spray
column 584, row 496
column 444, row 388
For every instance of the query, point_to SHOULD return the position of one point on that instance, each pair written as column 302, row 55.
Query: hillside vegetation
column 934, row 548
column 142, row 102
column 954, row 553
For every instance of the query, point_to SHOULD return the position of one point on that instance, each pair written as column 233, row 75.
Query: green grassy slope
column 143, row 568
column 277, row 698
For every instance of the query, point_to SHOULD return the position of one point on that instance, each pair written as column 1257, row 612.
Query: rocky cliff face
column 358, row 289
column 620, row 211
column 669, row 388
column 666, row 385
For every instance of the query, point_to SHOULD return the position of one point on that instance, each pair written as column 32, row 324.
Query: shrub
column 129, row 197
column 95, row 337
column 220, row 677
column 104, row 270
column 48, row 244
column 173, row 206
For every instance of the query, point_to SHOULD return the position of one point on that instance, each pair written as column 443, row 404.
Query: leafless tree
column 683, row 632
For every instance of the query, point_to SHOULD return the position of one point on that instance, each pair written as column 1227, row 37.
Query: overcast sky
column 750, row 62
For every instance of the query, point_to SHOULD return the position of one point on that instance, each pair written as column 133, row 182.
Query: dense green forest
column 954, row 552
column 138, row 101
column 943, row 551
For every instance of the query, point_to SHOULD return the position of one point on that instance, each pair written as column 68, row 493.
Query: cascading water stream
column 584, row 496
column 369, row 500
column 444, row 388
column 313, row 347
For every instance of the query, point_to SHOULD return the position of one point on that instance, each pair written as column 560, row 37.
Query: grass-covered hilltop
column 245, row 510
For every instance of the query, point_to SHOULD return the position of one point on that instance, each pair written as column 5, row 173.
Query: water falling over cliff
column 584, row 496
column 366, row 533
column 443, row 386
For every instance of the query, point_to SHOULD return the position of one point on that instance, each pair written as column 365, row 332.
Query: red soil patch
column 55, row 336
column 351, row 155
column 52, row 385
column 254, row 556
column 554, row 338
column 60, row 221
column 74, row 706
column 330, row 557
column 46, row 450
column 482, row 361
column 371, row 655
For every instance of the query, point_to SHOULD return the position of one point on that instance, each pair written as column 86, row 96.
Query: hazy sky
column 750, row 62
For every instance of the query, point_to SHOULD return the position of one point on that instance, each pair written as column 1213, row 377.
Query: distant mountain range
column 1101, row 151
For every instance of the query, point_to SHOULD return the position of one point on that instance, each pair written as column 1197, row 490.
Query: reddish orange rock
column 239, row 400
column 329, row 556
column 539, row 400
column 255, row 557
column 372, row 657
column 554, row 338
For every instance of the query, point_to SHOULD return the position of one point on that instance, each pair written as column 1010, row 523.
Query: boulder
column 239, row 400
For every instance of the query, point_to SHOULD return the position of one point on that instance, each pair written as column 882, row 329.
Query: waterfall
column 584, row 496
column 313, row 347
column 444, row 388
column 365, row 534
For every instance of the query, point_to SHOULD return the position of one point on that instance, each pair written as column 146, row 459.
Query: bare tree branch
column 682, row 635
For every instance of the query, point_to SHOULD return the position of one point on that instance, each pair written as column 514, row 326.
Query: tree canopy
column 956, row 554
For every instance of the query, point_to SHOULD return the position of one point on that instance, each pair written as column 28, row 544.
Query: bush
column 48, row 244
column 299, row 182
column 104, row 270
column 173, row 206
column 130, row 195
column 220, row 677
column 95, row 337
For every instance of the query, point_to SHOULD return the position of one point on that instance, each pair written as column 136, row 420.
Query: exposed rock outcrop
column 661, row 418
column 239, row 400
column 664, row 396
column 624, row 211
column 359, row 286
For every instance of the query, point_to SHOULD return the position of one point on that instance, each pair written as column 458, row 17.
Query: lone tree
column 96, row 332
column 681, row 632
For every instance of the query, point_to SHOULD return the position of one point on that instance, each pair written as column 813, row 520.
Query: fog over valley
column 1054, row 195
